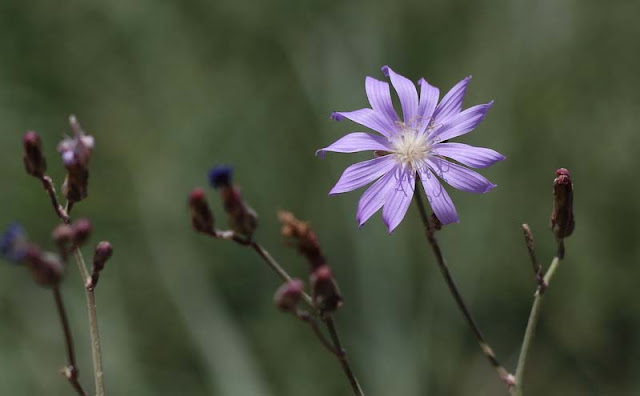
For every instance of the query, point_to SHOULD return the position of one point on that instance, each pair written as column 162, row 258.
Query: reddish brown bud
column 46, row 268
column 304, row 237
column 34, row 161
column 63, row 236
column 242, row 218
column 325, row 293
column 81, row 231
column 288, row 295
column 201, row 216
column 103, row 252
column 562, row 221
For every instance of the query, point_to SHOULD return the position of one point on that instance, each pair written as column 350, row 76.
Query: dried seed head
column 76, row 153
column 34, row 161
column 304, row 238
column 288, row 295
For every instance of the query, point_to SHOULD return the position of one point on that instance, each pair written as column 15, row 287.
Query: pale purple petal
column 356, row 142
column 428, row 100
column 475, row 157
column 362, row 173
column 399, row 198
column 459, row 177
column 406, row 92
column 439, row 199
column 462, row 123
column 368, row 118
column 380, row 98
column 373, row 199
column 451, row 104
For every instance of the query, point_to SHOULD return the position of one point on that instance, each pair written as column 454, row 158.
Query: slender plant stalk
column 71, row 371
column 93, row 324
column 504, row 375
column 342, row 356
column 531, row 325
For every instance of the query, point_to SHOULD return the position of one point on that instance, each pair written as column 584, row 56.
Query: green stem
column 93, row 324
column 531, row 326
column 342, row 357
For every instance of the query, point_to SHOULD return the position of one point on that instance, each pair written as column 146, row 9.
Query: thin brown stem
column 537, row 268
column 71, row 370
column 342, row 357
column 308, row 318
column 504, row 375
column 62, row 213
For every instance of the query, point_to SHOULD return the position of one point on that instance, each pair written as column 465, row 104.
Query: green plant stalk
column 531, row 327
column 93, row 324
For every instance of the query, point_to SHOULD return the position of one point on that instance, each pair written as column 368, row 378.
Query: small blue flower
column 13, row 244
column 220, row 176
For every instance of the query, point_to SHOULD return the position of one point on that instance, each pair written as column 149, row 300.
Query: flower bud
column 242, row 218
column 34, row 161
column 63, row 236
column 76, row 153
column 14, row 244
column 103, row 252
column 201, row 216
column 81, row 231
column 325, row 293
column 304, row 237
column 288, row 295
column 562, row 221
column 47, row 268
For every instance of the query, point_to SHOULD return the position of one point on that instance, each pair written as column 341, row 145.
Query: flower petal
column 459, row 177
column 362, row 173
column 406, row 92
column 368, row 118
column 428, row 100
column 380, row 98
column 475, row 157
column 439, row 199
column 373, row 199
column 356, row 142
column 451, row 104
column 399, row 198
column 462, row 123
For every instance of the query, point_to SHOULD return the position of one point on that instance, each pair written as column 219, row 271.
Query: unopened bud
column 201, row 216
column 34, row 161
column 63, row 236
column 288, row 295
column 305, row 238
column 241, row 217
column 562, row 221
column 81, row 231
column 325, row 293
column 47, row 268
column 103, row 252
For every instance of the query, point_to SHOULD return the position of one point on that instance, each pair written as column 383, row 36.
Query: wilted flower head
column 76, row 153
column 413, row 147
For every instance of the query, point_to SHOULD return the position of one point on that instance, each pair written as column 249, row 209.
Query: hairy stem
column 504, row 375
column 93, row 324
column 531, row 324
column 71, row 371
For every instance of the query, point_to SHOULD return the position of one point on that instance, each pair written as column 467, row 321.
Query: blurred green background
column 170, row 88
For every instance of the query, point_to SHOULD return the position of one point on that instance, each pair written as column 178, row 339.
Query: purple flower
column 415, row 146
column 13, row 244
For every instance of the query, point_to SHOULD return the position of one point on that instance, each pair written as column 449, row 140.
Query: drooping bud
column 34, row 161
column 76, row 153
column 14, row 244
column 325, row 293
column 63, row 236
column 562, row 221
column 47, row 268
column 201, row 216
column 288, row 295
column 103, row 252
column 81, row 231
column 304, row 237
column 242, row 218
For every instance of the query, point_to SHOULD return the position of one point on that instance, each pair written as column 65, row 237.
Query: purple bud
column 562, row 220
column 81, row 231
column 288, row 295
column 201, row 216
column 220, row 176
column 103, row 252
column 325, row 293
column 46, row 268
column 34, row 161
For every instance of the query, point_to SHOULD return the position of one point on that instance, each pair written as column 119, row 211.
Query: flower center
column 411, row 148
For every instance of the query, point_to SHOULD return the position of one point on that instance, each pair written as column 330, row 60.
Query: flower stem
column 504, row 375
column 342, row 357
column 93, row 324
column 531, row 325
column 71, row 371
